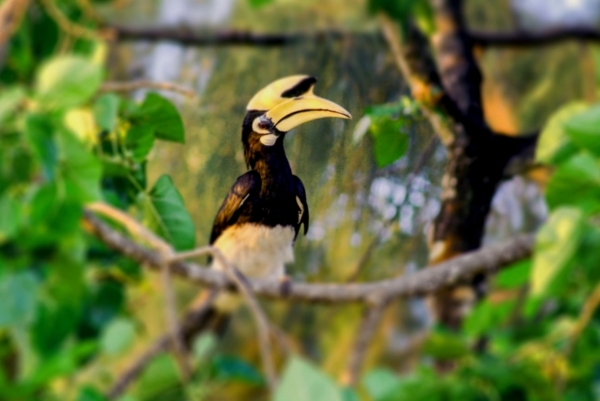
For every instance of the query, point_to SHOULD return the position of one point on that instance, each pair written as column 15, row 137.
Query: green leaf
column 19, row 293
column 67, row 81
column 106, row 110
column 390, row 143
column 259, row 3
column 584, row 129
column 302, row 381
column 162, row 115
column 397, row 9
column 445, row 345
column 487, row 316
column 80, row 169
column 384, row 110
column 117, row 336
column 203, row 345
column 88, row 393
column 167, row 215
column 554, row 144
column 575, row 182
column 379, row 383
column 160, row 376
column 229, row 367
column 139, row 141
column 44, row 201
column 40, row 135
column 514, row 276
column 10, row 98
column 556, row 245
column 10, row 217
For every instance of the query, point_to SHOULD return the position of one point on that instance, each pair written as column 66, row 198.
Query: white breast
column 257, row 251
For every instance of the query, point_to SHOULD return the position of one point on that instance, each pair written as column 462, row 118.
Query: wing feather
column 239, row 192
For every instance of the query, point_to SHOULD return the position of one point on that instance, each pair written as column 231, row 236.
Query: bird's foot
column 285, row 285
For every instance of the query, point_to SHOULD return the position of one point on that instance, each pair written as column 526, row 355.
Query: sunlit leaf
column 67, row 81
column 19, row 292
column 81, row 122
column 302, row 381
column 514, row 276
column 106, row 109
column 584, row 129
column 203, row 345
column 162, row 115
column 556, row 244
column 10, row 98
column 117, row 336
column 167, row 215
column 79, row 168
column 379, row 383
column 139, row 141
column 554, row 144
column 576, row 182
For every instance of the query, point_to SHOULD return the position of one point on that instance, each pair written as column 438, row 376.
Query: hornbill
column 265, row 208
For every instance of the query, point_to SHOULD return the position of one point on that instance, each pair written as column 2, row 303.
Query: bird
column 265, row 209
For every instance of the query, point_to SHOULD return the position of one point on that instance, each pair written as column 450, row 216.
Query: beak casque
column 298, row 110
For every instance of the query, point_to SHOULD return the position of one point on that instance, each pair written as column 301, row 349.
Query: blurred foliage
column 72, row 313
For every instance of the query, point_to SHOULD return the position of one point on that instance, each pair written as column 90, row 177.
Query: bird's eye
column 261, row 125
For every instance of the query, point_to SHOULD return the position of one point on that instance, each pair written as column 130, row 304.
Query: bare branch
column 446, row 274
column 262, row 323
column 189, row 325
column 68, row 26
column 144, row 84
column 189, row 37
column 368, row 328
column 11, row 14
column 531, row 39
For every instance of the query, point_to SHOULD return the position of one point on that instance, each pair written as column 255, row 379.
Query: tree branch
column 368, row 328
column 129, row 86
column 426, row 281
column 190, row 37
column 530, row 39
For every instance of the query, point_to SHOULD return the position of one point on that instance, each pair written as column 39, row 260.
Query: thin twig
column 166, row 254
column 587, row 311
column 426, row 281
column 145, row 84
column 262, row 323
column 68, row 26
column 11, row 14
column 368, row 328
column 160, row 345
column 530, row 39
column 189, row 37
column 168, row 257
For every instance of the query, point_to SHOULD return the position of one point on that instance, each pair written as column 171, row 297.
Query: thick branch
column 190, row 37
column 530, row 39
column 426, row 281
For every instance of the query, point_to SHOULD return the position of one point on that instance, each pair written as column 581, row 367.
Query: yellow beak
column 299, row 110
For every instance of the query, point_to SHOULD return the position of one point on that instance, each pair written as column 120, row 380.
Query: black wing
column 301, row 195
column 238, row 193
